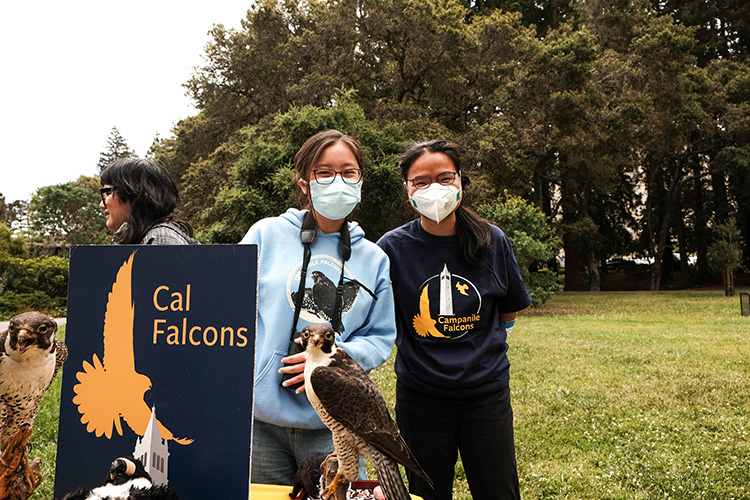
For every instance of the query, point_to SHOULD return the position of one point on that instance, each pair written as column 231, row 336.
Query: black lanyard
column 307, row 236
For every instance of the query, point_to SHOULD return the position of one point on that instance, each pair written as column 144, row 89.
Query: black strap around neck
column 308, row 234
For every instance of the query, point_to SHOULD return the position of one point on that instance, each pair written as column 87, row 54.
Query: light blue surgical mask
column 335, row 200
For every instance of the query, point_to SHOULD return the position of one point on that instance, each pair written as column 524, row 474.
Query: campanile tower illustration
column 446, row 295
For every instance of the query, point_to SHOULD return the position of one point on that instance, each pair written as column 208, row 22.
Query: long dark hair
column 151, row 192
column 474, row 233
column 311, row 150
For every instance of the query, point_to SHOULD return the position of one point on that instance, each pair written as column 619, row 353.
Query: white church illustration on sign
column 152, row 451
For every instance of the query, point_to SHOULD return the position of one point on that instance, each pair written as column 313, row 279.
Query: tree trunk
column 682, row 243
column 570, row 241
column 595, row 277
column 554, row 14
column 729, row 282
column 721, row 202
column 701, row 224
column 672, row 193
column 573, row 280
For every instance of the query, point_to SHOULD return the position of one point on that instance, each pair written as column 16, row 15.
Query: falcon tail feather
column 397, row 450
column 389, row 477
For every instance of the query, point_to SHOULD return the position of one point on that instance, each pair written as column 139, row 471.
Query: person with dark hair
column 314, row 267
column 138, row 199
column 458, row 289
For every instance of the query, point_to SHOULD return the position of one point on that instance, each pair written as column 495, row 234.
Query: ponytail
column 474, row 235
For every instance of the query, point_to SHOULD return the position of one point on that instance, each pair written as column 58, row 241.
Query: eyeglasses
column 327, row 175
column 103, row 192
column 444, row 179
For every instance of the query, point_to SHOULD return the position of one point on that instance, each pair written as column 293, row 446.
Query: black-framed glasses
column 327, row 175
column 444, row 179
column 103, row 192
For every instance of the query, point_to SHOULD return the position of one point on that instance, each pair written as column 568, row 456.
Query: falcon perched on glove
column 352, row 407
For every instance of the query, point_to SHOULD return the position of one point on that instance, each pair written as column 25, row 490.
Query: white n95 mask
column 436, row 202
column 335, row 200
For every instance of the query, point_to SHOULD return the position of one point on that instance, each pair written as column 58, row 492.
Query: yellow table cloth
column 273, row 492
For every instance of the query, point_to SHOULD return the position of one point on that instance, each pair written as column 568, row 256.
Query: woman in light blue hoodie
column 286, row 428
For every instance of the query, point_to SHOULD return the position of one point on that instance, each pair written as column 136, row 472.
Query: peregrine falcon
column 352, row 407
column 30, row 357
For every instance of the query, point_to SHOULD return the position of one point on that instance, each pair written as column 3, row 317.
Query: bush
column 39, row 283
column 534, row 242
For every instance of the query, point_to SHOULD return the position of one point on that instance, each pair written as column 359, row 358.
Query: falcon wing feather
column 99, row 414
column 61, row 354
column 118, row 323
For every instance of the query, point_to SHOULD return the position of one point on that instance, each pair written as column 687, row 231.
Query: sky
column 71, row 70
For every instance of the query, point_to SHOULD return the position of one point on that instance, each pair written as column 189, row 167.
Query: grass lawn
column 641, row 395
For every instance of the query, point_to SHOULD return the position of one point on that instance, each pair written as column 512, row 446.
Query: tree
column 723, row 26
column 731, row 151
column 4, row 211
column 18, row 217
column 609, row 114
column 262, row 176
column 675, row 87
column 116, row 147
column 534, row 242
column 10, row 245
column 68, row 214
column 725, row 253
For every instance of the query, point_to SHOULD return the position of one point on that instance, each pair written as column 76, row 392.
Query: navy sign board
column 162, row 347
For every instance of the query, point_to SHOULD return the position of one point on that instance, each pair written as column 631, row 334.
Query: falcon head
column 319, row 277
column 31, row 329
column 319, row 336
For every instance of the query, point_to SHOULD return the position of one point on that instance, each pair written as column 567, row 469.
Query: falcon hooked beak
column 30, row 329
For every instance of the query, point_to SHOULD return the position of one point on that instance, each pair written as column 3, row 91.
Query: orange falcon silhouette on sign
column 101, row 406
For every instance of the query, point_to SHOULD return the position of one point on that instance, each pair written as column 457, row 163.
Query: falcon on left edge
column 30, row 357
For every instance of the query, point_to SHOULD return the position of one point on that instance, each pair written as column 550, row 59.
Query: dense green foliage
column 30, row 283
column 68, row 214
column 263, row 172
column 534, row 243
column 624, row 121
column 616, row 396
